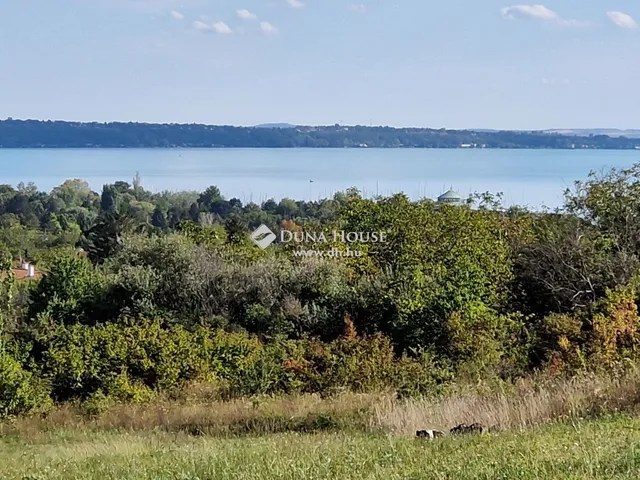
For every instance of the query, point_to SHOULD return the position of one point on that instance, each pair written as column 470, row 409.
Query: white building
column 450, row 198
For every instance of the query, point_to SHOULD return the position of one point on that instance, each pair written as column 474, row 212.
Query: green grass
column 607, row 448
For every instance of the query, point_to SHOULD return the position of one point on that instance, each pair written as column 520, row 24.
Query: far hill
column 275, row 125
column 585, row 132
column 61, row 134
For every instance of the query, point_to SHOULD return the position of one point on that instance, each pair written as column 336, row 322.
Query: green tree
column 105, row 238
column 208, row 197
column 194, row 212
column 610, row 202
column 436, row 261
column 74, row 193
column 7, row 288
column 67, row 291
column 236, row 230
column 159, row 219
column 109, row 199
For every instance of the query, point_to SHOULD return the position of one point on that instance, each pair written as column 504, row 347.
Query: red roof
column 21, row 274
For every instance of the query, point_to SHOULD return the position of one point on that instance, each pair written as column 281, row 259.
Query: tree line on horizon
column 62, row 134
column 37, row 221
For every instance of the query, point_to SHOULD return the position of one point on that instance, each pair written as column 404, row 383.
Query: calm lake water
column 526, row 177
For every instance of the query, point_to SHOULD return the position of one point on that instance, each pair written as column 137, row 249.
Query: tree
column 159, row 219
column 105, row 238
column 194, row 212
column 236, row 230
column 220, row 207
column 51, row 224
column 7, row 288
column 109, row 199
column 176, row 214
column 66, row 291
column 137, row 182
column 19, row 204
column 567, row 267
column 208, row 197
column 434, row 263
column 55, row 204
column 74, row 193
column 270, row 206
column 122, row 187
column 6, row 193
column 28, row 190
column 287, row 208
column 611, row 203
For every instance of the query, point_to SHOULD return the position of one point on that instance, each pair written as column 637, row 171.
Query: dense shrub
column 599, row 338
column 70, row 292
column 20, row 391
column 127, row 361
column 134, row 360
column 454, row 292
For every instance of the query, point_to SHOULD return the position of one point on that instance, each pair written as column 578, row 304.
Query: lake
column 526, row 177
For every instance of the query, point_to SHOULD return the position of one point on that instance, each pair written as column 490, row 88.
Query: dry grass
column 303, row 413
column 527, row 404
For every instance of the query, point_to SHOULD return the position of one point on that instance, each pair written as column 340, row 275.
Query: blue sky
column 453, row 64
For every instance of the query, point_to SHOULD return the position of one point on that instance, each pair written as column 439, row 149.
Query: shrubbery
column 454, row 292
column 20, row 391
column 132, row 362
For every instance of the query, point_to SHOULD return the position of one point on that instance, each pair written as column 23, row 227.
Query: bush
column 20, row 391
column 70, row 292
column 133, row 361
column 126, row 361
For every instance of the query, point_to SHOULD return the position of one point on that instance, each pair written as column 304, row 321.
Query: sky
column 423, row 63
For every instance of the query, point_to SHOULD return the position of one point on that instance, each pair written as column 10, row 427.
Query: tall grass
column 255, row 416
column 526, row 404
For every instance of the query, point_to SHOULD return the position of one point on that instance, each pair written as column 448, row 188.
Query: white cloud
column 221, row 27
column 246, row 15
column 538, row 12
column 622, row 20
column 198, row 25
column 268, row 29
column 295, row 3
column 177, row 15
column 358, row 7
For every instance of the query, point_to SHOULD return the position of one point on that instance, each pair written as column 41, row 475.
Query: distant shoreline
column 36, row 134
column 99, row 147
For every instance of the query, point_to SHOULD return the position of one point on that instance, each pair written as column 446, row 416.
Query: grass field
column 555, row 429
column 608, row 448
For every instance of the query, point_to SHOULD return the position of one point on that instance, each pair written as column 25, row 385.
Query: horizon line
column 294, row 125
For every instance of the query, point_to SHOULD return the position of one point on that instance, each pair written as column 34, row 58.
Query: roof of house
column 450, row 195
column 21, row 274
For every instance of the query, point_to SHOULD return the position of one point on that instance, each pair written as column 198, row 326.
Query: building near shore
column 450, row 197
